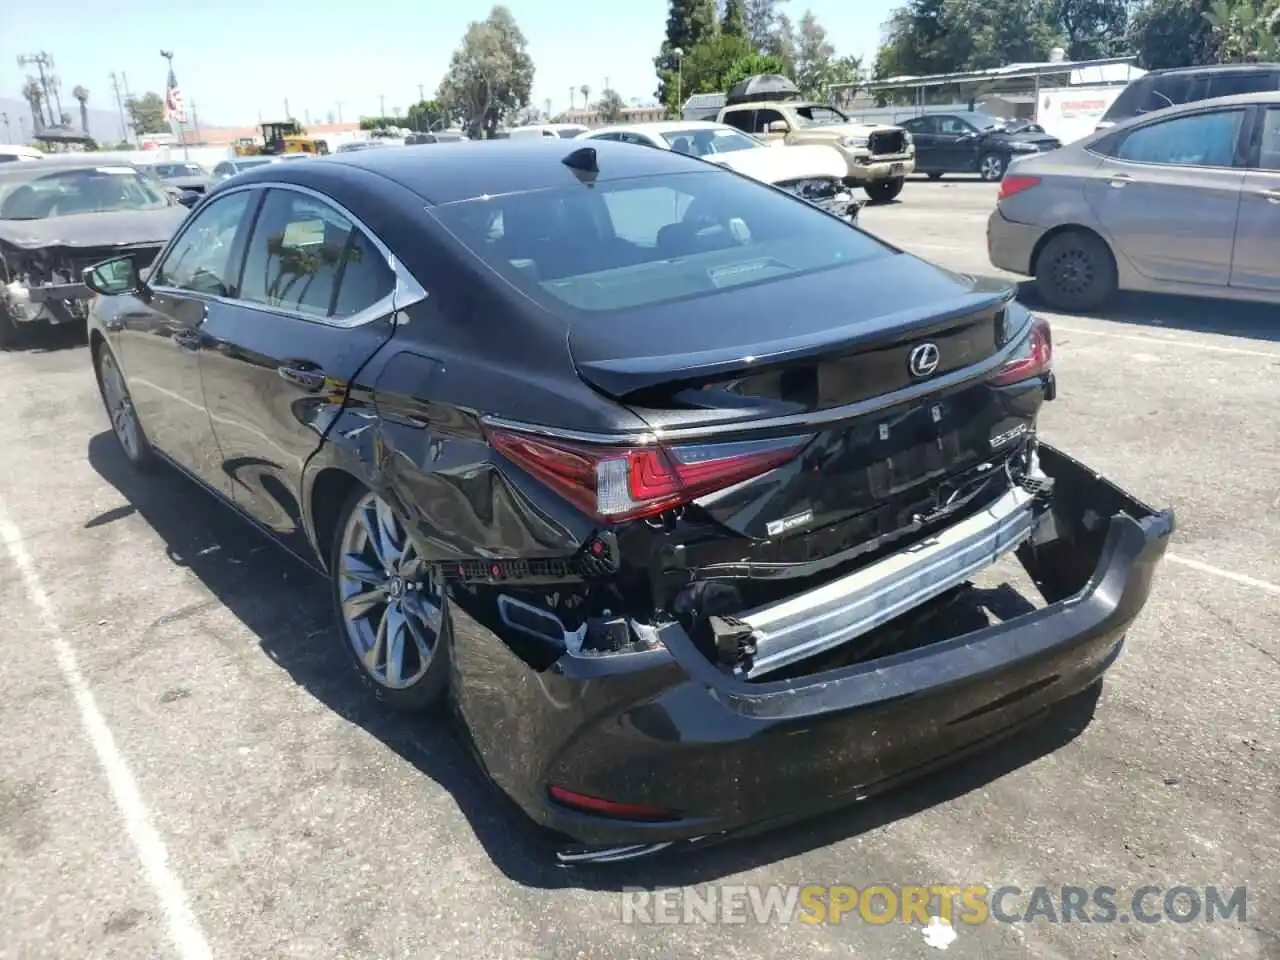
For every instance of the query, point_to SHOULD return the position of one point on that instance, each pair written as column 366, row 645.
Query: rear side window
column 1269, row 155
column 1200, row 140
column 300, row 250
column 1250, row 81
column 651, row 240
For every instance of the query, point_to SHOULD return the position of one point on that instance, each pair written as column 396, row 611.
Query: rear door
column 1167, row 194
column 924, row 132
column 957, row 144
column 1256, row 261
column 316, row 299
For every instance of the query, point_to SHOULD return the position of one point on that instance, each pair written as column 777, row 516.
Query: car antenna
column 582, row 160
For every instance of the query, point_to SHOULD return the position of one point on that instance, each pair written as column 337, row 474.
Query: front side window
column 740, row 119
column 1200, row 140
column 766, row 117
column 299, row 256
column 650, row 240
column 200, row 260
column 953, row 125
column 919, row 125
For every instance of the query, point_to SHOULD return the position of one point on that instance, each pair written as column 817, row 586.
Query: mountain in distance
column 104, row 124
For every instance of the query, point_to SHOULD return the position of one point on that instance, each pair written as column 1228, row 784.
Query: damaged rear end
column 836, row 558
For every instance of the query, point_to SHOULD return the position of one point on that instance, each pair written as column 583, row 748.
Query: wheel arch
column 1058, row 231
column 330, row 489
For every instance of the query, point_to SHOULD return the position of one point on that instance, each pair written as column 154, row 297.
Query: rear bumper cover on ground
column 666, row 728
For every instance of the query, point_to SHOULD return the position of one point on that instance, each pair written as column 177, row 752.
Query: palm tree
column 33, row 93
column 585, row 90
column 82, row 97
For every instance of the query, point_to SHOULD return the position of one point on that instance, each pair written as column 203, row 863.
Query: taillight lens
column 1033, row 359
column 1013, row 184
column 623, row 483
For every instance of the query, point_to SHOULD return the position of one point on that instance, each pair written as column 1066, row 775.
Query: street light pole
column 679, row 78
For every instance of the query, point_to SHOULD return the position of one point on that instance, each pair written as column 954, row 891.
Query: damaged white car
column 58, row 218
column 814, row 172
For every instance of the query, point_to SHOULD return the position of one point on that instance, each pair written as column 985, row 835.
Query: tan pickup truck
column 878, row 156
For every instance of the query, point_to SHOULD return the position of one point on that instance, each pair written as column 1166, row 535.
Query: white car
column 815, row 173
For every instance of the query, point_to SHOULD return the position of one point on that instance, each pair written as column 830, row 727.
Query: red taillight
column 609, row 808
column 1013, row 184
column 1033, row 359
column 623, row 483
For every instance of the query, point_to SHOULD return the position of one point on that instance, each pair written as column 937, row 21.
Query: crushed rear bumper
column 665, row 727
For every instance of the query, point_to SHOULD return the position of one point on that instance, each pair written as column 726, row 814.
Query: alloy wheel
column 391, row 601
column 124, row 420
column 991, row 168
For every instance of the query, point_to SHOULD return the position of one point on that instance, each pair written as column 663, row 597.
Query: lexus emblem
column 922, row 361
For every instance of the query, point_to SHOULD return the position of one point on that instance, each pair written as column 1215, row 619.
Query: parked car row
column 669, row 483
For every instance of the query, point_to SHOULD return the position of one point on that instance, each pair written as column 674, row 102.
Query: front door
column 956, row 144
column 1168, row 194
column 160, row 344
column 315, row 302
column 924, row 131
column 1256, row 261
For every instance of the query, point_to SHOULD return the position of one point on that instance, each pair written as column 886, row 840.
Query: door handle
column 1119, row 180
column 308, row 378
column 1272, row 196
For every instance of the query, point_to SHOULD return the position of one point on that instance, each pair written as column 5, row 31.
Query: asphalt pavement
column 189, row 771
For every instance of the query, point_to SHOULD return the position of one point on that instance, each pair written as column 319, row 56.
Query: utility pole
column 421, row 96
column 124, row 127
column 287, row 114
column 547, row 104
column 40, row 61
column 182, row 123
column 382, row 105
column 195, row 121
column 571, row 99
column 306, row 115
column 5, row 118
column 339, row 103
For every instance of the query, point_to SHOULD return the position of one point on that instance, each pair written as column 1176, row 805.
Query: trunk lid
column 823, row 355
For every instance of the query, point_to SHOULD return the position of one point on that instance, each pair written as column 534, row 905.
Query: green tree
column 425, row 114
column 490, row 75
column 82, row 97
column 840, row 71
column 1093, row 28
column 610, row 106
column 813, row 55
column 1244, row 30
column 146, row 113
column 782, row 43
column 762, row 20
column 1172, row 33
column 751, row 65
column 734, row 19
column 688, row 22
column 33, row 93
column 710, row 64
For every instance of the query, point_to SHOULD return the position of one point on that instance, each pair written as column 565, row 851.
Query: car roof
column 661, row 127
column 1214, row 68
column 18, row 171
column 476, row 168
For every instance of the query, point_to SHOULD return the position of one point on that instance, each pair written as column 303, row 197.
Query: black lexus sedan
column 973, row 143
column 672, row 485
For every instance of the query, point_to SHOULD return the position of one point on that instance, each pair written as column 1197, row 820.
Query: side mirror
column 188, row 198
column 113, row 277
column 779, row 126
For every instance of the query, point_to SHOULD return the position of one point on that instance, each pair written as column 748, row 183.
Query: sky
column 236, row 58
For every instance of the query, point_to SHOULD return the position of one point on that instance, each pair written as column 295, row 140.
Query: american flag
column 175, row 108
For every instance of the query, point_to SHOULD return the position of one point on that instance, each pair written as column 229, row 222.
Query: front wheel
column 991, row 167
column 882, row 191
column 124, row 418
column 391, row 607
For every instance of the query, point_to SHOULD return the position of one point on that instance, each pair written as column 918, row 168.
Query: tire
column 882, row 191
column 120, row 411
column 991, row 167
column 1076, row 272
column 10, row 335
column 934, row 176
column 368, row 601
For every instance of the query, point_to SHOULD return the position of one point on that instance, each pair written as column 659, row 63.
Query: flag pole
column 170, row 85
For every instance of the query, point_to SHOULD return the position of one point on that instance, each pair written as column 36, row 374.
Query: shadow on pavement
column 46, row 339
column 287, row 607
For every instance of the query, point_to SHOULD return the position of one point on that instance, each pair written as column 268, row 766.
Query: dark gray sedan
column 1184, row 201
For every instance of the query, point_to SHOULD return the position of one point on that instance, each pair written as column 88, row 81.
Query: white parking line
column 1167, row 341
column 1240, row 578
column 184, row 929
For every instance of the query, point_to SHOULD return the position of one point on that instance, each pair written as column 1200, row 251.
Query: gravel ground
column 188, row 771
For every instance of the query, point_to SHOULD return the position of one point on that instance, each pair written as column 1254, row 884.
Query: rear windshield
column 650, row 240
column 1149, row 94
